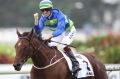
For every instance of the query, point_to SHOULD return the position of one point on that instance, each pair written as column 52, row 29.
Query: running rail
column 9, row 69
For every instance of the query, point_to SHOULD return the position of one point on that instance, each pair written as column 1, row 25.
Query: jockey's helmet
column 45, row 4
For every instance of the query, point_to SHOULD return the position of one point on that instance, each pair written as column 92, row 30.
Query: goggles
column 46, row 9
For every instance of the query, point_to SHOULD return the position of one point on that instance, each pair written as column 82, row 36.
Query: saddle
column 86, row 69
column 84, row 64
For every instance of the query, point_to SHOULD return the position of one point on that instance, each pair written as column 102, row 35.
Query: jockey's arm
column 60, row 26
column 38, row 28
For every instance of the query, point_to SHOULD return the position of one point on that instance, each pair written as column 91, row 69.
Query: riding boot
column 75, row 67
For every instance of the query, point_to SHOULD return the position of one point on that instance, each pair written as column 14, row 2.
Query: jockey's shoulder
column 56, row 10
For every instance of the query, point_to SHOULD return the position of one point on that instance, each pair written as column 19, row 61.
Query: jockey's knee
column 67, row 49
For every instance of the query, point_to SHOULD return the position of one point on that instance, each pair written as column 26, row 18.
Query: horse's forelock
column 34, row 36
column 24, row 34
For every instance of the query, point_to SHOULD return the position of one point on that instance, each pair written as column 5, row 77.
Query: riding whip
column 63, row 44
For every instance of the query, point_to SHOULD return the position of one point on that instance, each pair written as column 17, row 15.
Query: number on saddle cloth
column 87, row 65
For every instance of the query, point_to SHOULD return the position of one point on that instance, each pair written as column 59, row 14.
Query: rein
column 47, row 66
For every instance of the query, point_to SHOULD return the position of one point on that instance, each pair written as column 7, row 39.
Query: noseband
column 36, row 49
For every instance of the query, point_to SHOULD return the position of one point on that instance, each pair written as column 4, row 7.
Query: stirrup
column 75, row 71
column 75, row 75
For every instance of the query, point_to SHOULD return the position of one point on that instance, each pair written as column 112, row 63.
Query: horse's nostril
column 18, row 64
column 17, row 67
column 14, row 65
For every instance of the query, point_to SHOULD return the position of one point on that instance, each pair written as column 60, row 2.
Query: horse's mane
column 35, row 35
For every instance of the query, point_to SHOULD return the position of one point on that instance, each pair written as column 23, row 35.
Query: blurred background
column 97, row 23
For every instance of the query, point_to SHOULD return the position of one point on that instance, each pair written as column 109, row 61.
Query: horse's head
column 24, row 49
column 31, row 45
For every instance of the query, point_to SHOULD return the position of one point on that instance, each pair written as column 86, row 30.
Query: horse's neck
column 45, row 56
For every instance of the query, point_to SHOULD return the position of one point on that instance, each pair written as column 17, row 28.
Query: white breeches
column 65, row 38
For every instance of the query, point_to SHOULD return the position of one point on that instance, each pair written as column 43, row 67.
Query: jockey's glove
column 47, row 37
column 36, row 16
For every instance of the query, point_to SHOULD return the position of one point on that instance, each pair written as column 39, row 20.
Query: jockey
column 62, row 27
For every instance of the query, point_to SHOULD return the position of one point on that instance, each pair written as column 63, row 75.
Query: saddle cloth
column 84, row 72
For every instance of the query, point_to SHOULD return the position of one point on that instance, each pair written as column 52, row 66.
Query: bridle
column 29, row 40
column 35, row 52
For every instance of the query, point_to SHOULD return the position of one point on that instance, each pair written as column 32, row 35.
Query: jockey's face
column 46, row 12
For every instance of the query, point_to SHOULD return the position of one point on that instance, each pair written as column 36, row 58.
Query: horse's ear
column 18, row 33
column 31, row 33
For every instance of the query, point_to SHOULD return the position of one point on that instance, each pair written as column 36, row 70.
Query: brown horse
column 48, row 63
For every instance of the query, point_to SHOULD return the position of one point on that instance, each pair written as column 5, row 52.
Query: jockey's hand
column 47, row 37
column 36, row 16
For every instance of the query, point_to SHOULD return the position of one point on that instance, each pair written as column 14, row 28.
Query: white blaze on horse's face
column 19, row 44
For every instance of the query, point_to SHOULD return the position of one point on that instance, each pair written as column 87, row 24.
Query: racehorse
column 48, row 63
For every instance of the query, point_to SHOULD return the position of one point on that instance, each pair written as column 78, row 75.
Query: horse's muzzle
column 17, row 67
